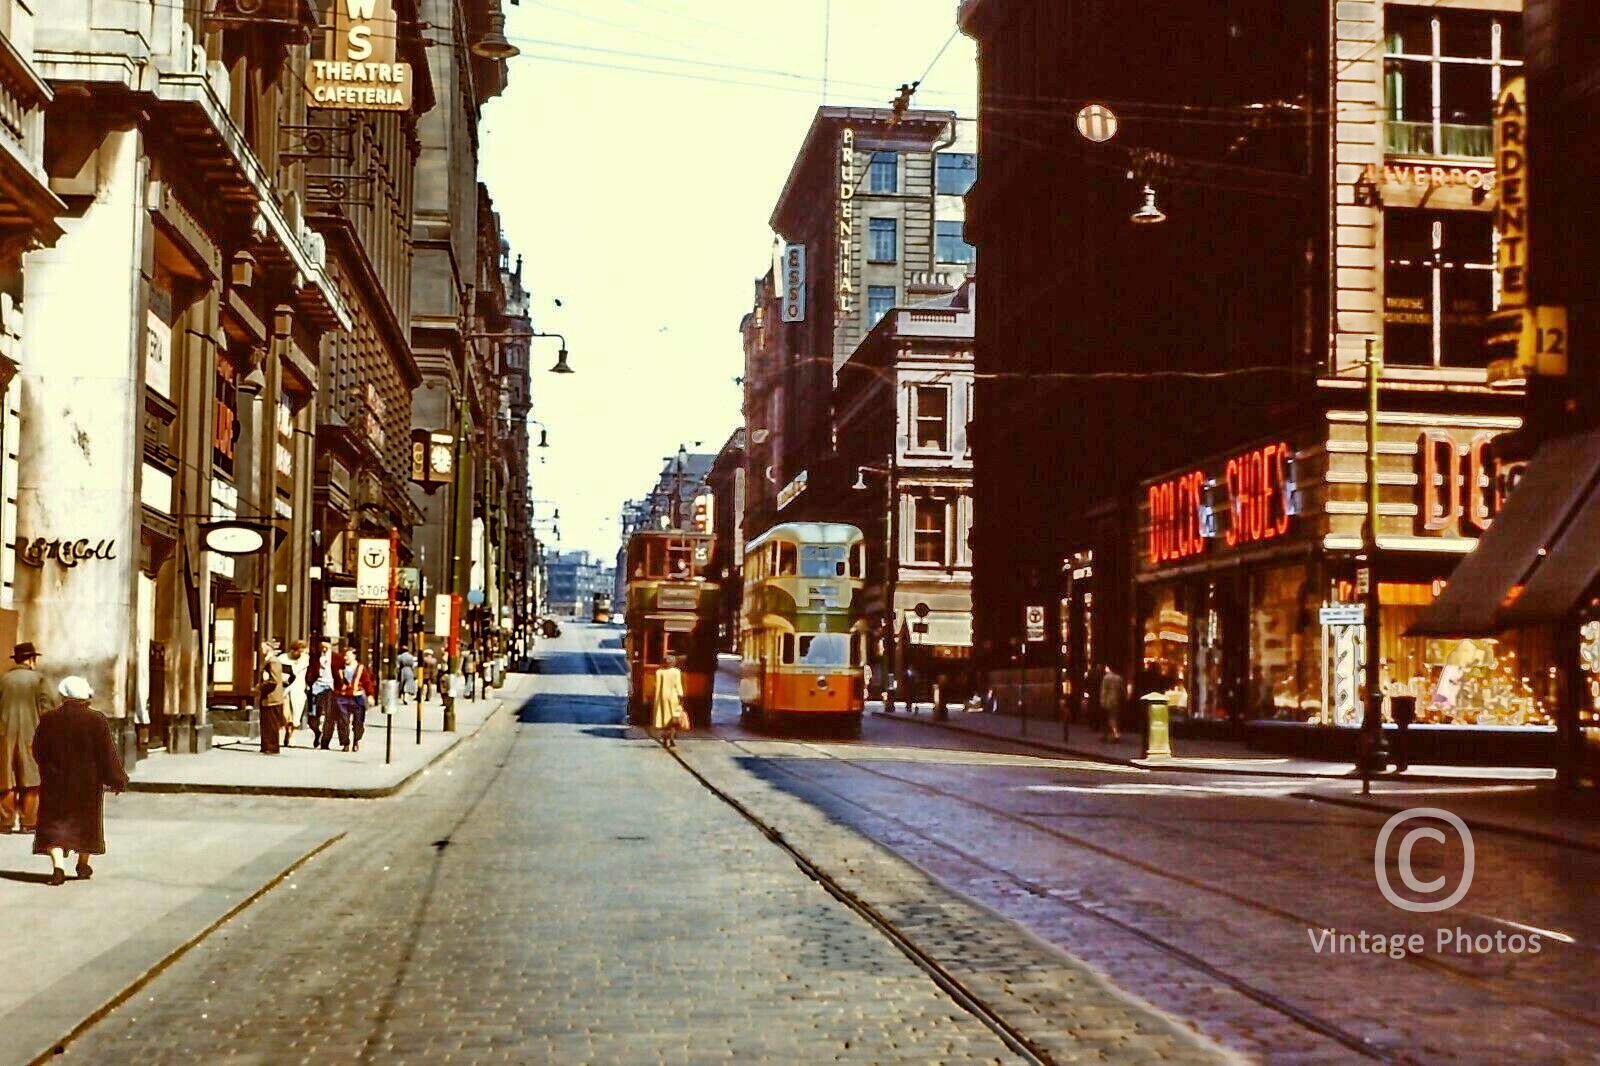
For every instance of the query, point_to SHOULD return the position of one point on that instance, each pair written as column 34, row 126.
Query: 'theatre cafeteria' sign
column 359, row 71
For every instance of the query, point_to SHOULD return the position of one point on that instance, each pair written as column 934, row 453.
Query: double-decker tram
column 670, row 610
column 802, row 634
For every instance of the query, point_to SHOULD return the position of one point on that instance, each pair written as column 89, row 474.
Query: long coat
column 77, row 761
column 669, row 696
column 24, row 696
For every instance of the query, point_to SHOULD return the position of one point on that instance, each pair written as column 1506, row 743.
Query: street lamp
column 890, row 550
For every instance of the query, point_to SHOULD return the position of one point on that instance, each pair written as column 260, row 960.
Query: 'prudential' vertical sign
column 847, row 219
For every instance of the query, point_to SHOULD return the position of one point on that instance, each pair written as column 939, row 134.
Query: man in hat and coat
column 77, row 762
column 24, row 696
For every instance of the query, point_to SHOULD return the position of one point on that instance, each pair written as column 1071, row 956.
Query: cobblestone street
column 558, row 894
column 561, row 890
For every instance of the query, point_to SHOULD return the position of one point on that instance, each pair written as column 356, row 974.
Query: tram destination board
column 678, row 599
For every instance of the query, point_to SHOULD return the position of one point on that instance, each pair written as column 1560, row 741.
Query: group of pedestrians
column 327, row 692
column 330, row 691
column 56, row 763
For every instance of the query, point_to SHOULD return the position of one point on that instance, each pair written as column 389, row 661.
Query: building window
column 1438, row 287
column 955, row 172
column 1442, row 72
column 884, row 246
column 930, row 418
column 929, row 529
column 880, row 301
column 884, row 173
column 951, row 245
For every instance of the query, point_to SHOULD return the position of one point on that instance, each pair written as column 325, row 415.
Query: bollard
column 1157, row 734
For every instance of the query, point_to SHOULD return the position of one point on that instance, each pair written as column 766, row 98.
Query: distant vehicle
column 802, row 632
column 602, row 608
column 549, row 628
column 670, row 610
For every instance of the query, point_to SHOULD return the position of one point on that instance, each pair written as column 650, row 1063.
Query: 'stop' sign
column 360, row 71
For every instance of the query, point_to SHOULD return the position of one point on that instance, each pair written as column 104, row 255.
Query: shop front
column 1252, row 585
column 1227, row 583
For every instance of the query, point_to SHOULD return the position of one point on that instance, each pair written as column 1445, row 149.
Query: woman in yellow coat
column 669, row 716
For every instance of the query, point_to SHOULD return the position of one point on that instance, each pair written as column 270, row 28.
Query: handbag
column 680, row 722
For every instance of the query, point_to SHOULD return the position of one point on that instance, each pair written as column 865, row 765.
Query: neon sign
column 1174, row 507
column 1255, row 483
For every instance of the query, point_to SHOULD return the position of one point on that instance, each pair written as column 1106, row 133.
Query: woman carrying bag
column 669, row 717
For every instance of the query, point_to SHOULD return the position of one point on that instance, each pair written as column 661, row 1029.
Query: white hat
column 75, row 688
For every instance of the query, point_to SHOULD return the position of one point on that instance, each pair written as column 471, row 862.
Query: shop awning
column 1541, row 543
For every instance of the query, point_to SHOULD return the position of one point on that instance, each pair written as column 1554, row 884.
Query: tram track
column 1276, row 1004
column 948, row 982
column 985, row 1012
column 1264, row 998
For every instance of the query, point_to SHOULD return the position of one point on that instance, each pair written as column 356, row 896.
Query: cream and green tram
column 802, row 634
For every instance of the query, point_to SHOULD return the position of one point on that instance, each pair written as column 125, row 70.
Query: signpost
column 373, row 570
column 1033, row 620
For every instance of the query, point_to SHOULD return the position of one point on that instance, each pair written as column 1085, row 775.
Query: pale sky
column 640, row 200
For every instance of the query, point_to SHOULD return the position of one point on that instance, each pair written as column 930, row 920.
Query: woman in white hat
column 77, row 763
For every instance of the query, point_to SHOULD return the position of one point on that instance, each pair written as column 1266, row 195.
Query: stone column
column 79, row 455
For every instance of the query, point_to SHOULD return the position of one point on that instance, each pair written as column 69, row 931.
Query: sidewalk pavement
column 1194, row 755
column 235, row 765
column 165, row 884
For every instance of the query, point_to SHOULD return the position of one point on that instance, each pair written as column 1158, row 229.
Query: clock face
column 441, row 458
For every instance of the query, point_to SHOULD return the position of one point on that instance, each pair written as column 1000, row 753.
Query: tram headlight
column 822, row 682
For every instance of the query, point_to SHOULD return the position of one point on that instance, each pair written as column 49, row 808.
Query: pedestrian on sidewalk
column 469, row 671
column 428, row 675
column 77, row 762
column 270, row 698
column 1112, row 693
column 407, row 663
column 321, row 689
column 296, row 666
column 24, row 696
column 335, row 711
column 352, row 687
column 668, row 715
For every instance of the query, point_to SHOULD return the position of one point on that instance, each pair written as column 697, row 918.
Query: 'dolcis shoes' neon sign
column 1257, row 490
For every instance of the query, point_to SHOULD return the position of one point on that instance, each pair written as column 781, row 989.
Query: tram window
column 679, row 560
column 822, row 560
column 653, row 550
column 825, row 649
column 676, row 644
column 787, row 564
column 786, row 652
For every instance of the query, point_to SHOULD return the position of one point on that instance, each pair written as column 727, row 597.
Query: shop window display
column 1509, row 681
column 1589, row 655
column 1166, row 650
column 1284, row 680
